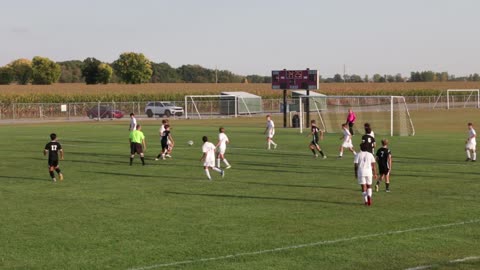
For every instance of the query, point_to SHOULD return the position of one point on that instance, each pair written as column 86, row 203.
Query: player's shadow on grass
column 90, row 154
column 299, row 186
column 162, row 178
column 259, row 198
column 24, row 178
column 113, row 162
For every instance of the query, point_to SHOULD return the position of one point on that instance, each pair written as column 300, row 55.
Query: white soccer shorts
column 471, row 146
column 362, row 180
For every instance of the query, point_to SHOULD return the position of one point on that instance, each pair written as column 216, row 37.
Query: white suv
column 162, row 108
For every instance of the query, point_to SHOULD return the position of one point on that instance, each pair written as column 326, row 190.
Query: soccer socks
column 474, row 157
column 313, row 151
column 226, row 163
column 387, row 186
column 58, row 170
column 340, row 154
column 218, row 162
column 364, row 194
column 207, row 172
column 369, row 192
column 217, row 169
column 321, row 153
column 143, row 160
column 52, row 175
column 468, row 154
column 131, row 161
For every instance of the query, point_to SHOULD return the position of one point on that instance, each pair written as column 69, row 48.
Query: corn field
column 64, row 93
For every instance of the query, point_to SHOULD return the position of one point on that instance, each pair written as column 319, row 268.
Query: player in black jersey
column 166, row 139
column 384, row 160
column 52, row 149
column 369, row 139
column 317, row 135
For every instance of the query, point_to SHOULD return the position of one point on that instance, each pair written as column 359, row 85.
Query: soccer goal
column 388, row 115
column 463, row 98
column 215, row 106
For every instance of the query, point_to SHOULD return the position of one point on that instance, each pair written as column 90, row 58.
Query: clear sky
column 252, row 36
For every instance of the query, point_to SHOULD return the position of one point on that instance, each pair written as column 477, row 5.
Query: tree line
column 415, row 76
column 130, row 68
column 135, row 68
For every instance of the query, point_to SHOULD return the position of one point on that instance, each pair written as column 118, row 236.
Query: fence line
column 110, row 110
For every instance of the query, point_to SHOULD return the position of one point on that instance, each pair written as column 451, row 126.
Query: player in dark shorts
column 384, row 160
column 52, row 149
column 137, row 144
column 317, row 135
column 165, row 141
column 368, row 139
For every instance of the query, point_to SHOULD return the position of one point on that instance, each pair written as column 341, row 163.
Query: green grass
column 108, row 215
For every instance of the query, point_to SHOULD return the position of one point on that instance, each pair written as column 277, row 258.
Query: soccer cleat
column 376, row 188
column 324, row 157
column 54, row 180
column 339, row 157
column 473, row 160
column 468, row 159
column 168, row 156
column 156, row 159
column 163, row 157
column 228, row 167
column 222, row 173
column 315, row 156
column 60, row 175
column 387, row 190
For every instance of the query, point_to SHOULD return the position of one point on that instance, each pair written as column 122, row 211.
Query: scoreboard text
column 295, row 79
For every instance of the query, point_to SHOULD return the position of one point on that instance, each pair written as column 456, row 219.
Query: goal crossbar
column 389, row 112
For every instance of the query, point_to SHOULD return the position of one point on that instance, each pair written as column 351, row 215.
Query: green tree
column 399, row 78
column 133, row 68
column 476, row 77
column 71, row 71
column 45, row 71
column 6, row 75
column 378, row 78
column 337, row 78
column 22, row 70
column 105, row 72
column 164, row 73
column 90, row 70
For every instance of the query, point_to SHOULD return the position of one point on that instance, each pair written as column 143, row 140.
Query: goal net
column 387, row 115
column 214, row 106
column 463, row 98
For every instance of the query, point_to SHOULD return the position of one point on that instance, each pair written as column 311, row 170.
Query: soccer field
column 278, row 209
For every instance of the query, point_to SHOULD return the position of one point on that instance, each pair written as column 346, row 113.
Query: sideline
column 321, row 243
column 466, row 259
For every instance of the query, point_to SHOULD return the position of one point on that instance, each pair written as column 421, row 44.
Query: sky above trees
column 252, row 37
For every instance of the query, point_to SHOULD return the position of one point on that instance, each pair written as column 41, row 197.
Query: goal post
column 468, row 100
column 388, row 115
column 208, row 106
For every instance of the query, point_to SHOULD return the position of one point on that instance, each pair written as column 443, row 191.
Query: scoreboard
column 295, row 79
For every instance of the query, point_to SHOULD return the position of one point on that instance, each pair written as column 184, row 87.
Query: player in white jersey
column 365, row 169
column 208, row 158
column 222, row 147
column 347, row 141
column 471, row 144
column 133, row 122
column 270, row 132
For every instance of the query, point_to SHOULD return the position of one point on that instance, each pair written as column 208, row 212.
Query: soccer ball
column 190, row 143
